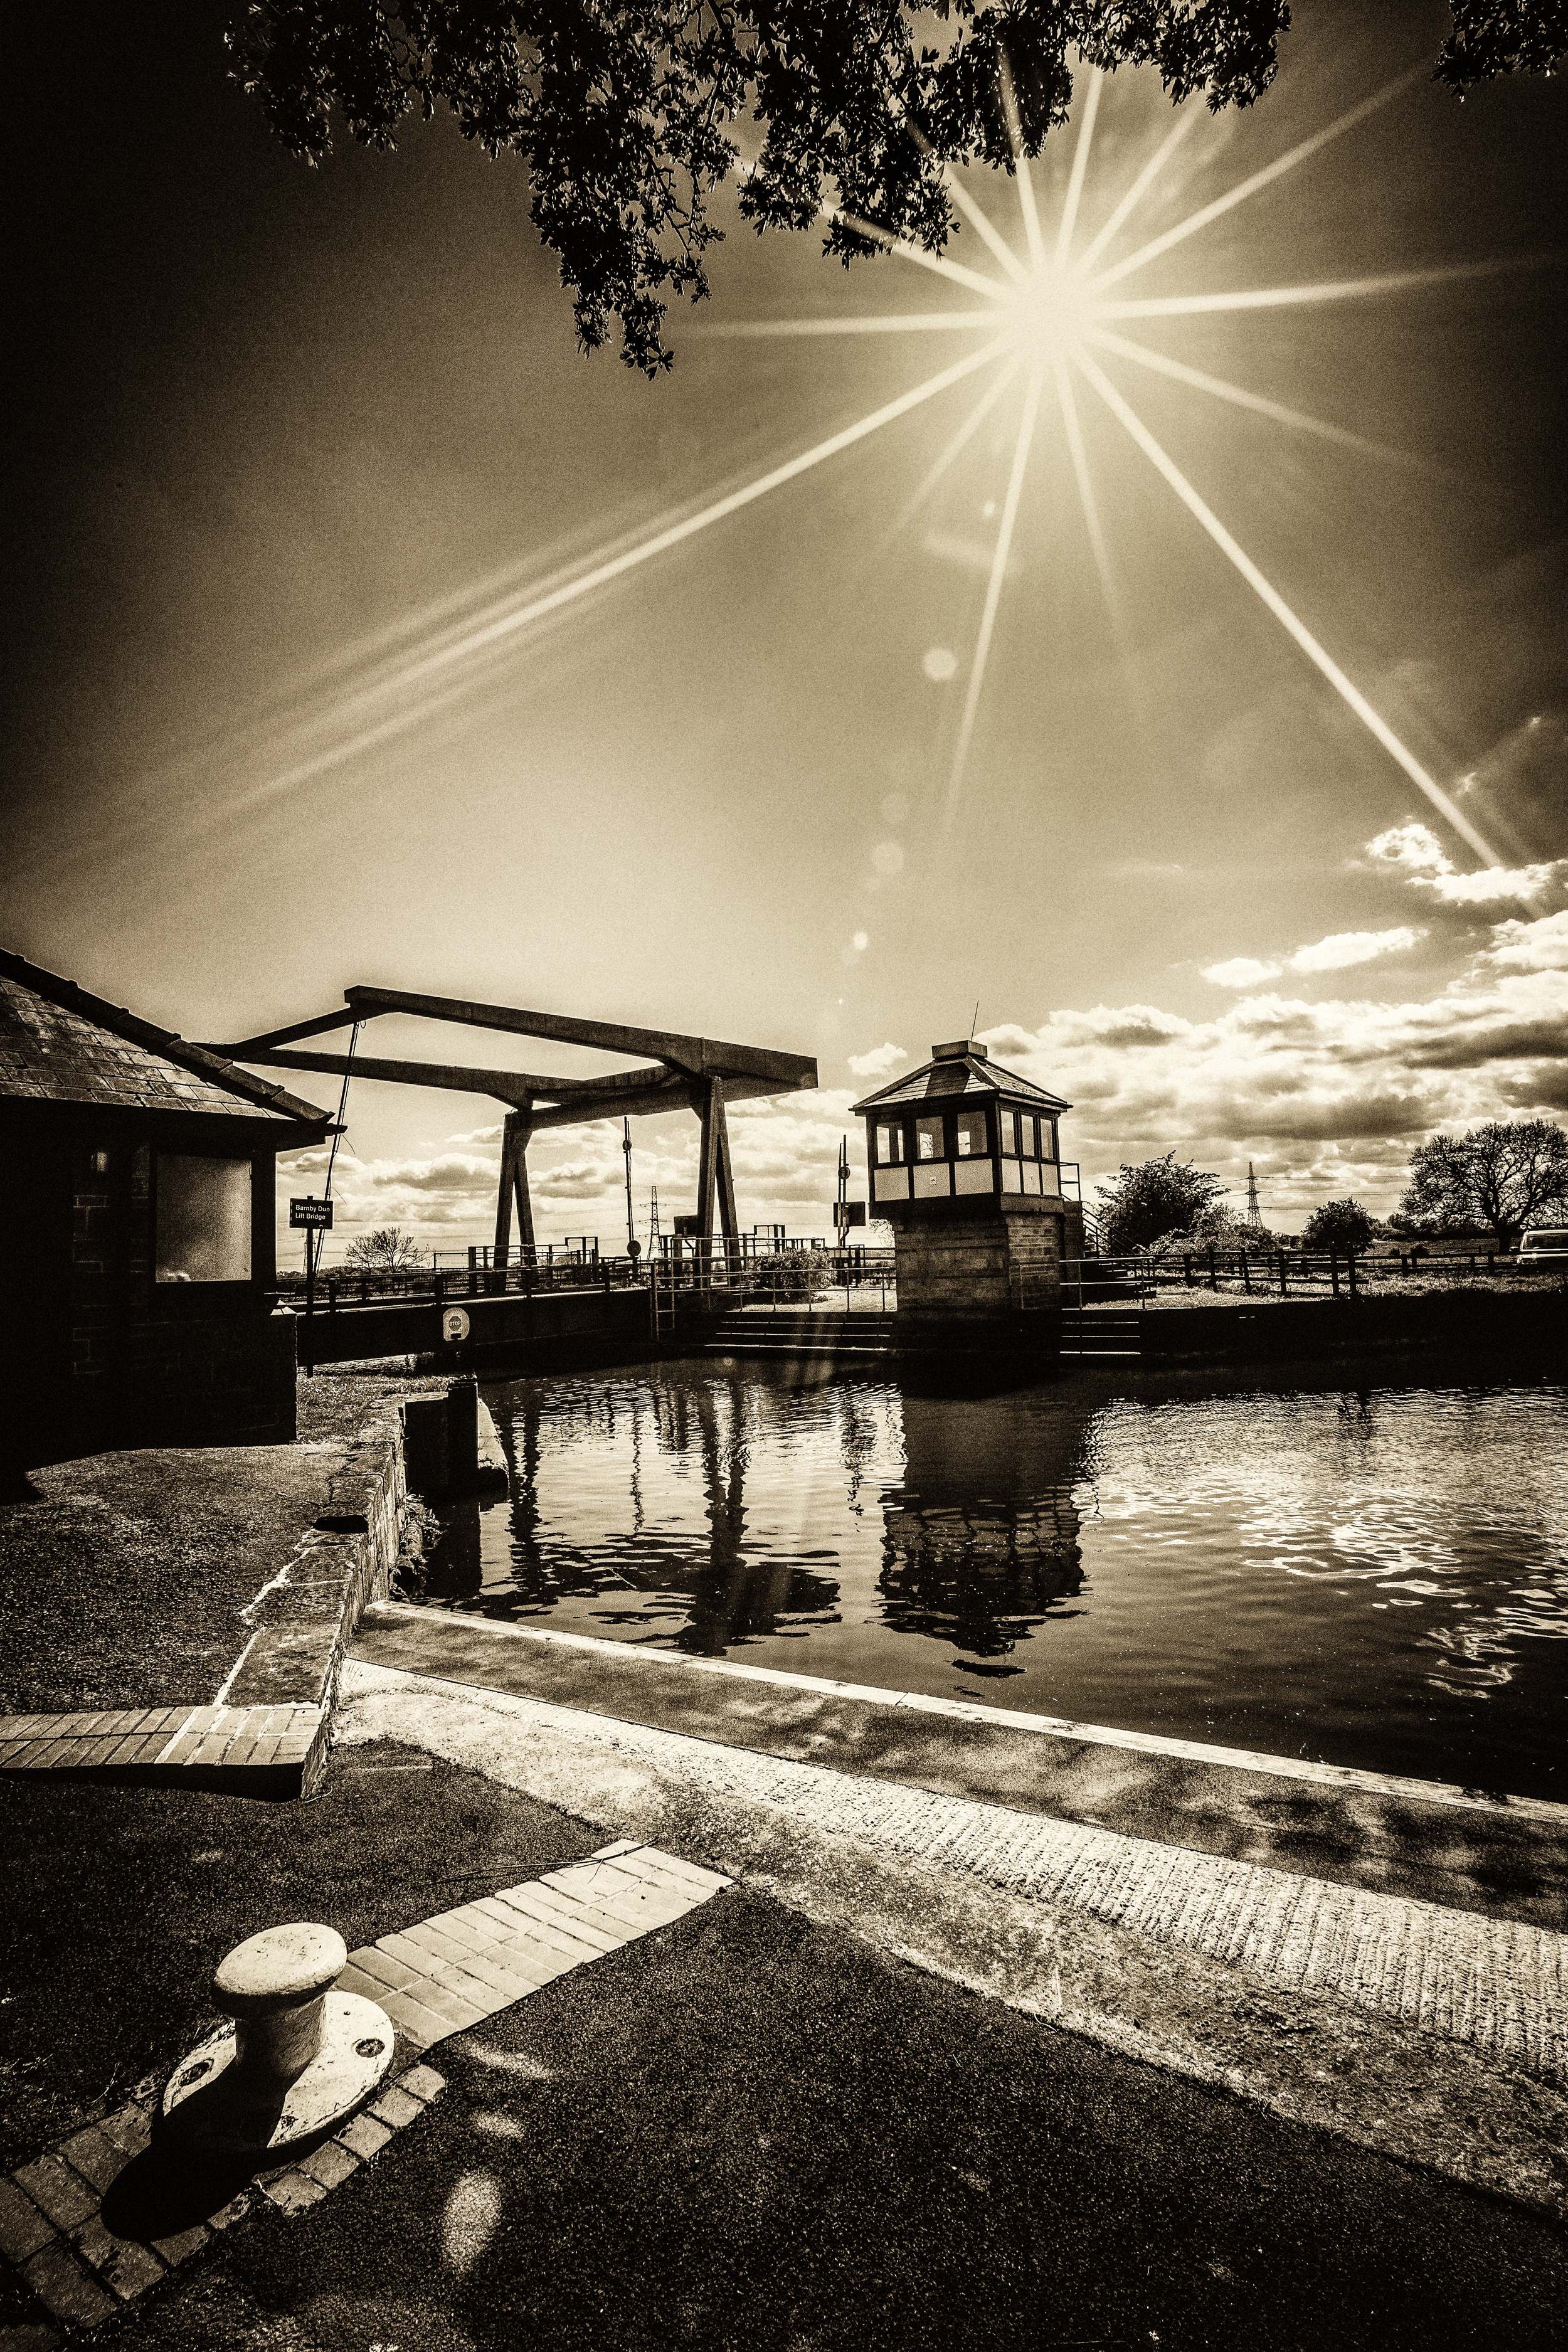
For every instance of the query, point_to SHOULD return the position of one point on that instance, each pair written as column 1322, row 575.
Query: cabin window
column 890, row 1145
column 929, row 1139
column 1010, row 1131
column 203, row 1219
column 971, row 1128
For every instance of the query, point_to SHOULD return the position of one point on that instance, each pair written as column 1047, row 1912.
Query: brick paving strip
column 439, row 1977
column 250, row 1751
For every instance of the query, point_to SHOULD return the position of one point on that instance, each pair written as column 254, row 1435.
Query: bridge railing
column 344, row 1291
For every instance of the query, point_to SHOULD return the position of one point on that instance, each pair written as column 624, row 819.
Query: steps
column 1089, row 1333
column 798, row 1332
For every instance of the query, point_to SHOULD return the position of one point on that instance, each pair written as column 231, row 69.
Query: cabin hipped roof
column 59, row 1044
column 959, row 1073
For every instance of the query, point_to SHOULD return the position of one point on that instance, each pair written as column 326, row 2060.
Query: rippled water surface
column 1376, row 1576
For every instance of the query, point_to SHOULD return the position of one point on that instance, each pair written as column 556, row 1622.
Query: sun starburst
column 1047, row 315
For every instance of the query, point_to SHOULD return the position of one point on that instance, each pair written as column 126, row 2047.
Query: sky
column 1204, row 748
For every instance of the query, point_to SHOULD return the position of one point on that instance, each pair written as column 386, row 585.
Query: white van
column 1544, row 1245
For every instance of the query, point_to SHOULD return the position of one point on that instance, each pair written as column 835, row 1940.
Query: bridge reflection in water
column 710, row 1513
column 1373, row 1577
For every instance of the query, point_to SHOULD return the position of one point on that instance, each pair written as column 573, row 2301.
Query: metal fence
column 1277, row 1274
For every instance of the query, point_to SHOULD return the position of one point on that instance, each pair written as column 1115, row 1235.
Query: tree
column 386, row 1250
column 1143, row 1204
column 1342, row 1225
column 1503, row 1176
column 616, row 107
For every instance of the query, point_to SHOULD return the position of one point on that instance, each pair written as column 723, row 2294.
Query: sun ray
column 1372, row 719
column 967, row 204
column 979, row 220
column 1080, row 456
column 1332, row 290
column 1069, row 220
column 1270, row 172
column 427, row 684
column 1298, row 419
column 1185, row 118
column 1021, row 167
column 750, row 331
column 993, row 589
column 976, row 279
column 510, row 626
column 954, row 449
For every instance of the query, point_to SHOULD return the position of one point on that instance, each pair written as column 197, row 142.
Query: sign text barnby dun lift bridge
column 698, row 1074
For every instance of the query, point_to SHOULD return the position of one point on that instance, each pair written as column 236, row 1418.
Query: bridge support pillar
column 715, row 1174
column 513, row 1188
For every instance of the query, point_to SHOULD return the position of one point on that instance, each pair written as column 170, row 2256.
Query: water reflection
column 1372, row 1576
column 980, row 1545
column 704, row 1592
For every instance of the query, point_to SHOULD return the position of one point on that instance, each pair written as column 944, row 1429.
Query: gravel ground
column 751, row 2131
column 120, row 1901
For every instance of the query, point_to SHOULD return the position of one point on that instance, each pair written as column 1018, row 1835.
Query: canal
column 1373, row 1576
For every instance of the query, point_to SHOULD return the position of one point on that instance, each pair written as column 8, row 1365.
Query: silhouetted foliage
column 618, row 107
column 1143, row 1204
column 386, row 1251
column 1502, row 36
column 1339, row 1226
column 1500, row 1177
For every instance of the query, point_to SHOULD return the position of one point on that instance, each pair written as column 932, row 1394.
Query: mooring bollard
column 296, row 2058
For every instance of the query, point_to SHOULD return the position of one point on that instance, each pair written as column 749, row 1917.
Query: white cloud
column 1241, row 971
column 1540, row 946
column 1341, row 949
column 1416, row 851
column 881, row 1059
column 1340, row 1089
column 1335, row 953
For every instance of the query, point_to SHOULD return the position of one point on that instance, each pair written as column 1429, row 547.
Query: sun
column 1050, row 313
column 1044, row 322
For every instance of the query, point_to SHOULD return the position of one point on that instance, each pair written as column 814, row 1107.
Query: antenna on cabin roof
column 973, row 1018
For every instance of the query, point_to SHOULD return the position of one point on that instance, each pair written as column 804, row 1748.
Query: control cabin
column 965, row 1166
column 962, row 1130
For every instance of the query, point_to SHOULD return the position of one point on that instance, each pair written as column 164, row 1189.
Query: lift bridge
column 702, row 1075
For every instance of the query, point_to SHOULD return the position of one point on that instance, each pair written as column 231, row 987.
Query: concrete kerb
column 265, row 1732
column 1331, row 1775
column 1432, row 2035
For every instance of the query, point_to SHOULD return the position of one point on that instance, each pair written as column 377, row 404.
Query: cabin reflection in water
column 983, row 1541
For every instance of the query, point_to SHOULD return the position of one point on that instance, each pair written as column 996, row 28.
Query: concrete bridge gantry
column 700, row 1073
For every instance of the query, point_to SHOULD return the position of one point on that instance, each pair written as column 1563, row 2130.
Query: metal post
column 1333, row 1273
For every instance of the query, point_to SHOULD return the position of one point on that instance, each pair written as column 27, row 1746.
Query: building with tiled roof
column 964, row 1163
column 137, row 1174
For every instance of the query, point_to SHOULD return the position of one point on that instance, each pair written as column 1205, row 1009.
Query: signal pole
column 631, row 1227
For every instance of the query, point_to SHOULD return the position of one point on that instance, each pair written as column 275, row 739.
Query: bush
column 1218, row 1231
column 1342, row 1225
column 1143, row 1204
